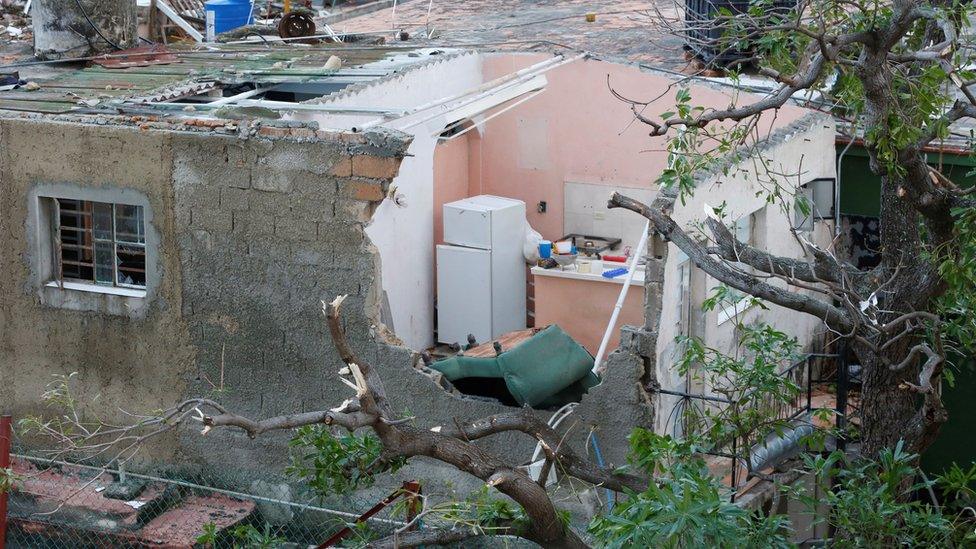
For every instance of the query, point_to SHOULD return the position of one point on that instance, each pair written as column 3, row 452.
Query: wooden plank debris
column 171, row 14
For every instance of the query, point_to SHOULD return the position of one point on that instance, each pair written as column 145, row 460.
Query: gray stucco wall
column 118, row 357
column 253, row 233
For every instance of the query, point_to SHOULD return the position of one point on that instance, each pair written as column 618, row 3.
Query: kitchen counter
column 592, row 277
column 581, row 303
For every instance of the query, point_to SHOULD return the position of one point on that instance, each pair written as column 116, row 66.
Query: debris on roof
column 181, row 79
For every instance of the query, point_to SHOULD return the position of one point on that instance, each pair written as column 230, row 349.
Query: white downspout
column 598, row 361
column 484, row 90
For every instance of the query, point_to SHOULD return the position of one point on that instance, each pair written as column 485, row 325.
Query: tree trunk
column 65, row 29
column 887, row 411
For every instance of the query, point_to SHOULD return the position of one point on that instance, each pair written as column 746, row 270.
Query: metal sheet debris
column 142, row 56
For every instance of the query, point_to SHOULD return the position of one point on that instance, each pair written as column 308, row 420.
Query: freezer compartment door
column 467, row 225
column 463, row 294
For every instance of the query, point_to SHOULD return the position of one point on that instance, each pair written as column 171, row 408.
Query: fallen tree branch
column 833, row 316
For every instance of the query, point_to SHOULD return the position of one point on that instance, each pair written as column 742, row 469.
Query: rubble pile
column 14, row 23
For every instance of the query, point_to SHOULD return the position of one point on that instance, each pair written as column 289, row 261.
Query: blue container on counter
column 545, row 249
column 226, row 15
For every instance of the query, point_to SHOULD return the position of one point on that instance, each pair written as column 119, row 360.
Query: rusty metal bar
column 410, row 489
column 6, row 434
column 58, row 245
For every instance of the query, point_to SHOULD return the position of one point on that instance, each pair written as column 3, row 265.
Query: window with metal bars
column 100, row 243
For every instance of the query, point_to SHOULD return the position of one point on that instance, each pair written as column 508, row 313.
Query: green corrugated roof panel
column 228, row 64
column 49, row 107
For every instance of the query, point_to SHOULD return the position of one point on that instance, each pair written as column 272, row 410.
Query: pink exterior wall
column 582, row 308
column 451, row 167
column 577, row 130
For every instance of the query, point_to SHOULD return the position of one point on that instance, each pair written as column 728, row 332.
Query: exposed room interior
column 495, row 233
column 513, row 155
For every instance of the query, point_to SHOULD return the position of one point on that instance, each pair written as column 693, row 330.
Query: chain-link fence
column 54, row 504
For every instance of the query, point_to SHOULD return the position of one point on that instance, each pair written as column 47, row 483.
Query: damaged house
column 171, row 230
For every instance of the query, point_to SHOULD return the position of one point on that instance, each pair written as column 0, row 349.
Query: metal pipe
column 597, row 362
column 809, row 382
column 493, row 115
column 486, row 89
column 842, row 387
column 332, row 35
column 691, row 395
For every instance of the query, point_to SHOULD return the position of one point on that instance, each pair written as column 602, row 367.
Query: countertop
column 558, row 272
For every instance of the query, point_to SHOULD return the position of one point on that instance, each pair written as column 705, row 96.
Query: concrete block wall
column 256, row 229
column 275, row 227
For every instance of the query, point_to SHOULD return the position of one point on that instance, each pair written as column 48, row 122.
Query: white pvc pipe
column 485, row 89
column 320, row 107
column 597, row 362
column 282, row 106
column 557, row 417
column 494, row 90
column 175, row 17
column 233, row 98
column 493, row 115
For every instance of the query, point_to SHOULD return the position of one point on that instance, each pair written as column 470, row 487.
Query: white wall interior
column 811, row 148
column 404, row 234
column 585, row 212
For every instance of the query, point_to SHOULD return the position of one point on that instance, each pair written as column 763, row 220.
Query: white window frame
column 820, row 195
column 116, row 287
column 742, row 226
column 42, row 259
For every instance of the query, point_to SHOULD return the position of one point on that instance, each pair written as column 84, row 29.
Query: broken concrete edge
column 370, row 161
column 380, row 142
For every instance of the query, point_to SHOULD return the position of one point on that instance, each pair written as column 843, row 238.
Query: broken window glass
column 103, row 262
column 131, row 265
column 129, row 225
column 102, row 225
column 101, row 243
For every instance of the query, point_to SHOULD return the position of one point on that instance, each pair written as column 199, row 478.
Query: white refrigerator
column 481, row 269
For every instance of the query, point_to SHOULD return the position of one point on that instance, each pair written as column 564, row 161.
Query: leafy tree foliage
column 686, row 506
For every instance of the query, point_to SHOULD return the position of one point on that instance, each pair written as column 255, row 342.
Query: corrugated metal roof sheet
column 208, row 67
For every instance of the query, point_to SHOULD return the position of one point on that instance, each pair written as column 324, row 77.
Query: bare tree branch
column 564, row 458
column 825, row 267
column 833, row 316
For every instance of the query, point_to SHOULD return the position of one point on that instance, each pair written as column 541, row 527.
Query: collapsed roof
column 240, row 81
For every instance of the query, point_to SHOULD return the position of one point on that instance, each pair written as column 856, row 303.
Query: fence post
column 414, row 504
column 809, row 383
column 843, row 372
column 5, row 437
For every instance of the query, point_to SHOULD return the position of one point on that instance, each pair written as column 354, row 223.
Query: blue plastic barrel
column 227, row 14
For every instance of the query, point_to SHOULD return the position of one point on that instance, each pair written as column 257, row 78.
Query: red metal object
column 141, row 56
column 5, row 437
column 410, row 490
